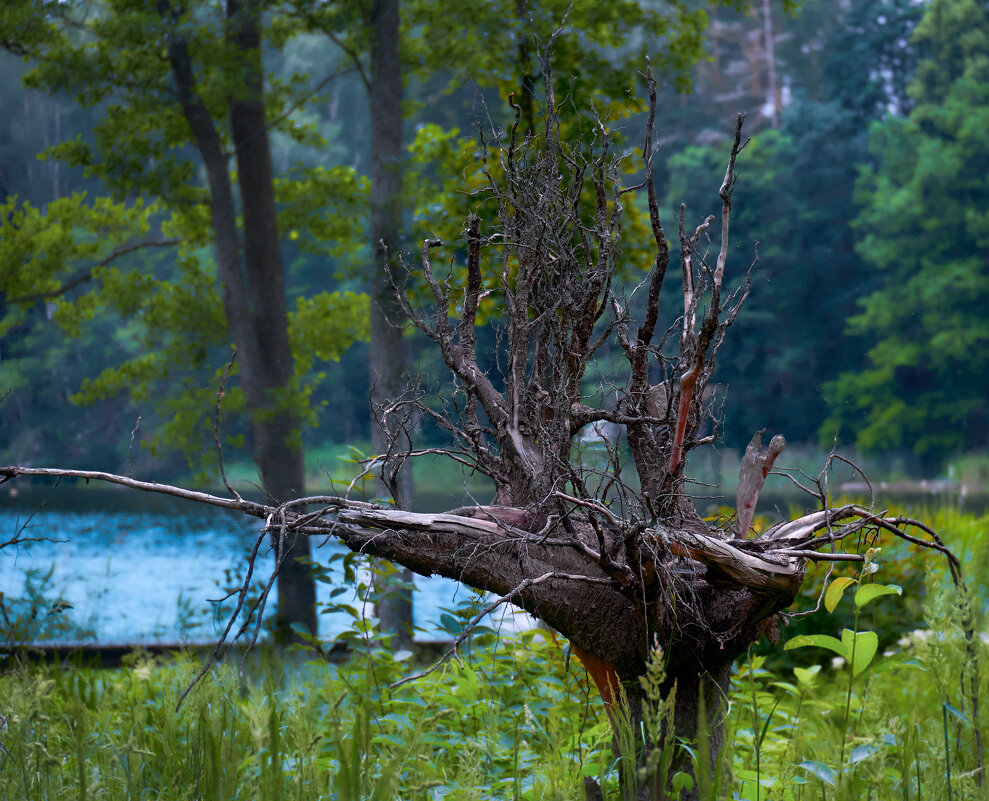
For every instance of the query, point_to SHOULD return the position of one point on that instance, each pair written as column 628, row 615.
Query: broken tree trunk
column 726, row 591
column 613, row 561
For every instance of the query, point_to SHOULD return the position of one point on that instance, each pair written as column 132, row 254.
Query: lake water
column 131, row 567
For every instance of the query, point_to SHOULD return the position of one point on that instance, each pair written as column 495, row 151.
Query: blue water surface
column 129, row 568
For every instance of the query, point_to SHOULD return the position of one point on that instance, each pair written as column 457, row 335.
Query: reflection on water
column 138, row 568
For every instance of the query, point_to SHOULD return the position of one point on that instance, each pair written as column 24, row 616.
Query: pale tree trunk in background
column 253, row 288
column 387, row 359
column 774, row 93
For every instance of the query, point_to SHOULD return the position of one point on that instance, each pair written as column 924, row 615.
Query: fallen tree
column 612, row 555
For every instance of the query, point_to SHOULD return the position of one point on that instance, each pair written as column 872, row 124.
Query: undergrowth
column 516, row 718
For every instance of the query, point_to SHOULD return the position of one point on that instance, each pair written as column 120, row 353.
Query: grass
column 516, row 720
column 513, row 722
column 320, row 732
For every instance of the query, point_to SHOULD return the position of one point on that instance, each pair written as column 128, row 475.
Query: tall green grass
column 511, row 719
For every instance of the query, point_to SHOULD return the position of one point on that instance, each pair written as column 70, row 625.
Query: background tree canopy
column 865, row 179
column 923, row 225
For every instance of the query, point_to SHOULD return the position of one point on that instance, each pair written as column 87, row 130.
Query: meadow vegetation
column 517, row 718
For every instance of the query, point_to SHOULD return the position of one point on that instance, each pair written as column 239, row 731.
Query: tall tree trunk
column 253, row 289
column 775, row 97
column 387, row 358
column 277, row 442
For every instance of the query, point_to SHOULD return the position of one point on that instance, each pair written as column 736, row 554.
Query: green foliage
column 322, row 210
column 325, row 325
column 39, row 248
column 795, row 197
column 171, row 329
column 331, row 731
column 924, row 226
column 892, row 618
column 868, row 729
column 608, row 46
column 513, row 720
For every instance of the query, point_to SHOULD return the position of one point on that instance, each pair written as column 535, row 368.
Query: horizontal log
column 399, row 519
column 778, row 573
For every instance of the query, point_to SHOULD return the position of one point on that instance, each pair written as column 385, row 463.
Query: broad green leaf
column 869, row 592
column 399, row 741
column 402, row 721
column 896, row 662
column 862, row 752
column 861, row 647
column 682, row 781
column 820, row 770
column 820, row 641
column 302, row 632
column 835, row 591
column 807, row 675
column 450, row 624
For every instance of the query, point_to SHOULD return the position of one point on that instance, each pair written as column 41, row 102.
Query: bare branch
column 725, row 192
column 216, row 424
column 255, row 509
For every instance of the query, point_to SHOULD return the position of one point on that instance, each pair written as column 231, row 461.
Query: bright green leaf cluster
column 325, row 325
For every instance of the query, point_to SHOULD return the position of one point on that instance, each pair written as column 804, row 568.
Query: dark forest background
column 866, row 185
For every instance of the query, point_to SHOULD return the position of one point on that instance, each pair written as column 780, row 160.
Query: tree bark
column 275, row 425
column 387, row 356
column 253, row 289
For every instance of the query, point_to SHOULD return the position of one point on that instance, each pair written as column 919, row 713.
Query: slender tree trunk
column 774, row 93
column 253, row 289
column 387, row 357
column 277, row 440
